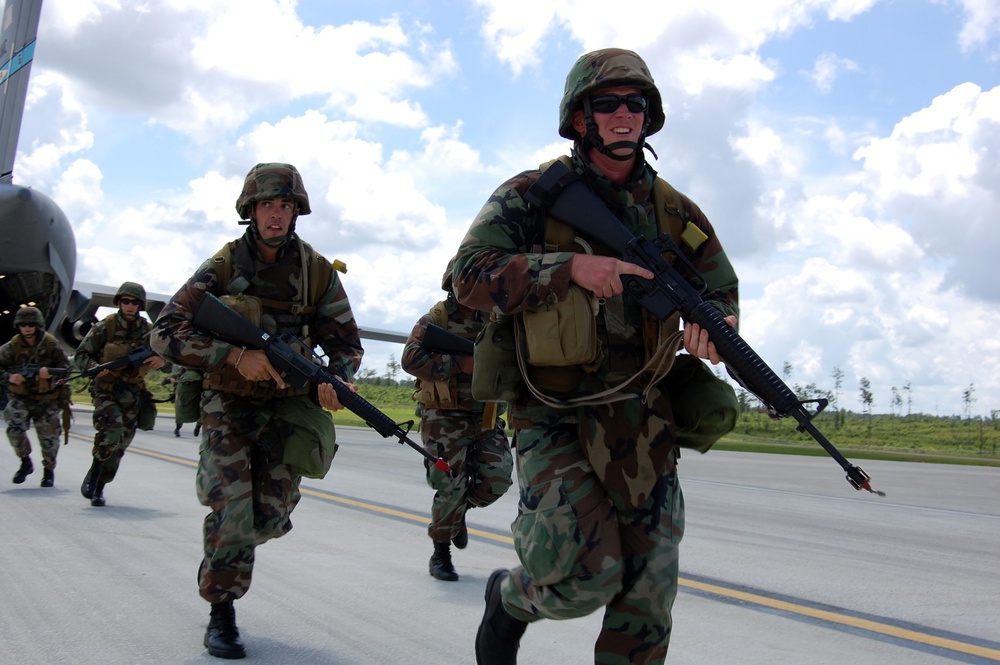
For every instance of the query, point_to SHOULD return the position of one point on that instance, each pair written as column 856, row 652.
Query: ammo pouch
column 705, row 407
column 309, row 436
column 563, row 334
column 147, row 411
column 249, row 307
column 495, row 374
column 437, row 394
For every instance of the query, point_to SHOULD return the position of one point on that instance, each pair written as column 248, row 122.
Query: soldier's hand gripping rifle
column 562, row 195
column 133, row 359
column 215, row 318
column 30, row 371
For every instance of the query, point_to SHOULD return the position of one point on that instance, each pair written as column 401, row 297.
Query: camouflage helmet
column 446, row 279
column 608, row 68
column 131, row 289
column 28, row 314
column 272, row 181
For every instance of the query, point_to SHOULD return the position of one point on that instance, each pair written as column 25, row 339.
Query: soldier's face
column 274, row 217
column 129, row 307
column 27, row 330
column 621, row 124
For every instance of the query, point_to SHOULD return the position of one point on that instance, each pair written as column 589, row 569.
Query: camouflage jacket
column 435, row 366
column 332, row 326
column 499, row 268
column 97, row 346
column 15, row 354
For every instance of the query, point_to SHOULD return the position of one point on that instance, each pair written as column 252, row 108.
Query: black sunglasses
column 636, row 103
column 129, row 301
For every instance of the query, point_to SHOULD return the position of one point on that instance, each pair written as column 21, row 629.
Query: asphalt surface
column 782, row 562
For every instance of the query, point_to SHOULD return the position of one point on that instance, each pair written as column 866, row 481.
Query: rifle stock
column 215, row 318
column 438, row 339
column 565, row 197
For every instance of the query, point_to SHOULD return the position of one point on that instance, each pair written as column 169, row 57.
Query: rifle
column 131, row 360
column 438, row 339
column 216, row 318
column 560, row 192
column 30, row 371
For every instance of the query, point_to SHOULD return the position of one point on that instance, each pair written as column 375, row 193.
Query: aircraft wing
column 17, row 49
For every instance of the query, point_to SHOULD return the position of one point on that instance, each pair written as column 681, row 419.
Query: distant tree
column 867, row 401
column 838, row 383
column 908, row 389
column 969, row 400
column 787, row 370
column 392, row 368
column 897, row 401
column 366, row 374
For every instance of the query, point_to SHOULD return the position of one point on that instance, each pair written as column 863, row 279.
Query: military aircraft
column 38, row 252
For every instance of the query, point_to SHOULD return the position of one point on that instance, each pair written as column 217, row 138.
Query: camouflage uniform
column 36, row 400
column 240, row 472
column 478, row 453
column 116, row 396
column 590, row 536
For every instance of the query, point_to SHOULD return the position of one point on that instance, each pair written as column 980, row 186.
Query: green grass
column 917, row 438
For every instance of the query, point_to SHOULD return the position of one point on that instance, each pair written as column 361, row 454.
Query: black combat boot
column 222, row 638
column 461, row 539
column 499, row 634
column 441, row 566
column 27, row 468
column 177, row 430
column 197, row 428
column 87, row 488
column 98, row 497
column 48, row 478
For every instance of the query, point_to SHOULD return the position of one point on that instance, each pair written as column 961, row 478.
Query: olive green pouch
column 705, row 407
column 495, row 374
column 187, row 402
column 310, row 438
column 563, row 334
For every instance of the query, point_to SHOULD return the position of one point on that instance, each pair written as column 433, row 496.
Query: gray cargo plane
column 38, row 252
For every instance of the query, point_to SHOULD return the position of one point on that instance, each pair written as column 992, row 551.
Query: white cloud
column 937, row 173
column 982, row 24
column 827, row 68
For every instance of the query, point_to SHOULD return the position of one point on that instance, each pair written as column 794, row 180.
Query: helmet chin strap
column 592, row 140
column 277, row 241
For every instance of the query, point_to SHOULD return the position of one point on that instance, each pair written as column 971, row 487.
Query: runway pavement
column 782, row 562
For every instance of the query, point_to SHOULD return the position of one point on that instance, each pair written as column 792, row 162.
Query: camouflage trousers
column 242, row 479
column 21, row 413
column 481, row 467
column 581, row 550
column 116, row 413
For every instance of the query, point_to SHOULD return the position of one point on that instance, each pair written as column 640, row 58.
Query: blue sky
column 845, row 150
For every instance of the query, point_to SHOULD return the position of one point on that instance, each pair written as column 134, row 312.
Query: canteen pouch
column 309, row 436
column 705, row 407
column 495, row 375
